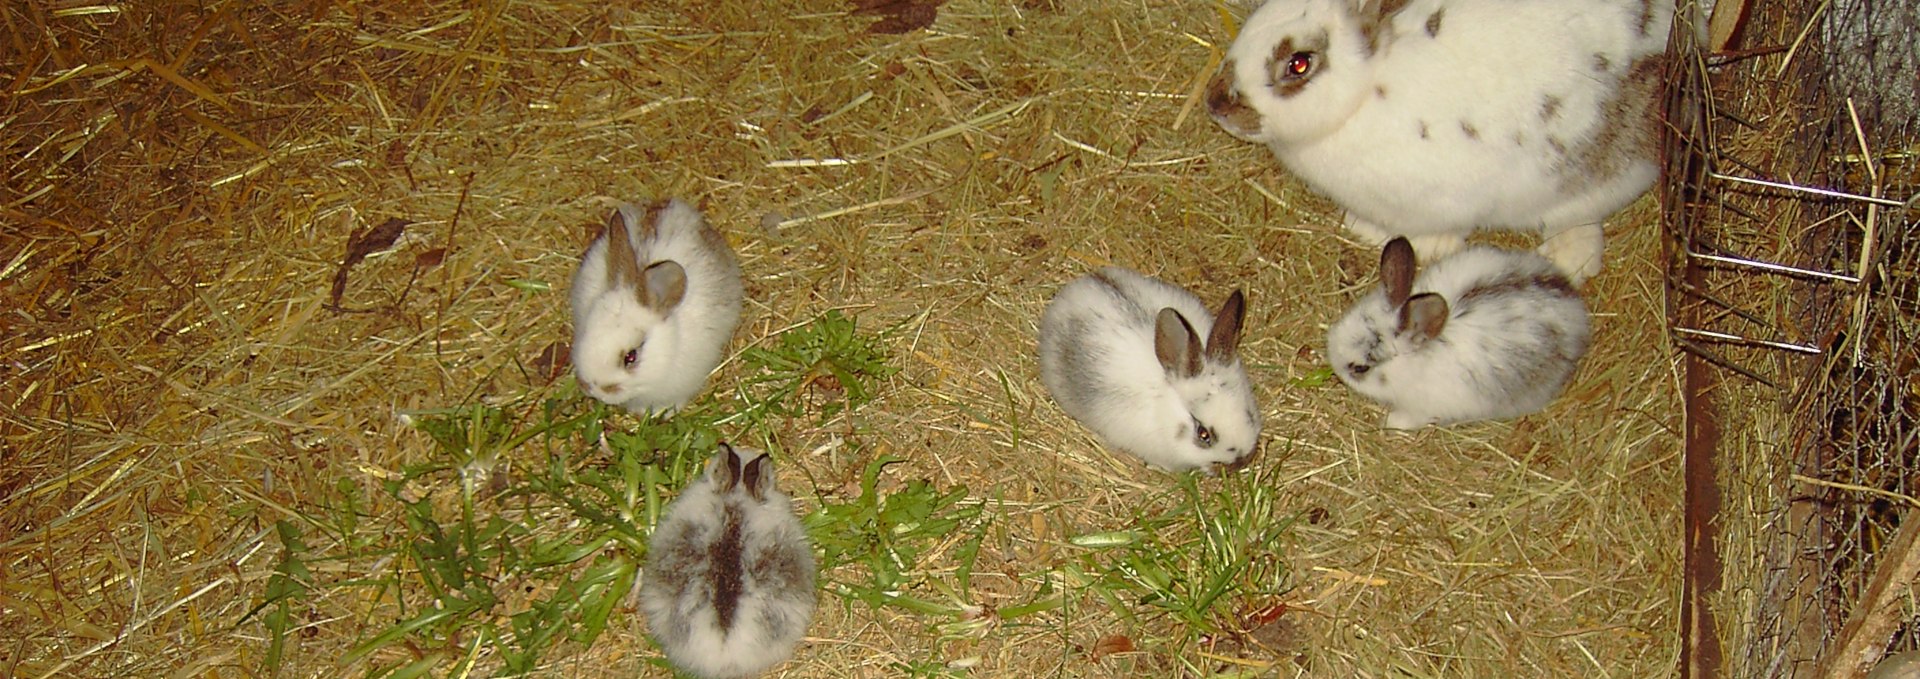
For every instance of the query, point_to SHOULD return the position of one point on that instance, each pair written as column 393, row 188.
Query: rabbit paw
column 1575, row 249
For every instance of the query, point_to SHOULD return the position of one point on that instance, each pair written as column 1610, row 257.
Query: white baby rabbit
column 1122, row 353
column 1483, row 334
column 655, row 302
column 728, row 590
column 1432, row 118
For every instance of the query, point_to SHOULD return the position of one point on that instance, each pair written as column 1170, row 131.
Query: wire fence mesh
column 1793, row 270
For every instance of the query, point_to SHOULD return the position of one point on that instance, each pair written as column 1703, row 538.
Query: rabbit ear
column 725, row 469
column 1175, row 344
column 663, row 286
column 757, row 477
column 1396, row 271
column 623, row 267
column 1424, row 317
column 1225, row 337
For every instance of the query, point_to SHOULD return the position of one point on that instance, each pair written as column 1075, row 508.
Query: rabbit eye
column 1358, row 369
column 1298, row 65
column 1203, row 434
column 628, row 359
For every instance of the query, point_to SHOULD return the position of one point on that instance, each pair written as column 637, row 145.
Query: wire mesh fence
column 1793, row 255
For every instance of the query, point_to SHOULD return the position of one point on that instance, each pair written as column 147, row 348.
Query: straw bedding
column 183, row 179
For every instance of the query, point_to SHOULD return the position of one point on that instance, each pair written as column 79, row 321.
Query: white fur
column 1499, row 355
column 677, row 351
column 1354, row 131
column 1122, row 393
column 678, row 598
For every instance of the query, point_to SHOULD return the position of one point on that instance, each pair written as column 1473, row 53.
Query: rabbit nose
column 1241, row 462
column 1229, row 109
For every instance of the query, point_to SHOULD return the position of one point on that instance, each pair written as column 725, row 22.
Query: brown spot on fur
column 1550, row 107
column 649, row 225
column 1374, row 24
column 724, row 554
column 1423, row 130
column 1646, row 18
column 1559, row 147
column 1380, row 91
column 1468, row 129
column 1285, row 84
column 1224, row 100
column 1433, row 22
column 1627, row 133
column 1601, row 64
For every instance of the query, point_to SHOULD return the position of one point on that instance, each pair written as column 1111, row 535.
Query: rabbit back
column 729, row 587
column 1100, row 362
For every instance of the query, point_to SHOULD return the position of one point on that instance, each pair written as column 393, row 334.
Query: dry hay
column 183, row 178
column 1818, row 447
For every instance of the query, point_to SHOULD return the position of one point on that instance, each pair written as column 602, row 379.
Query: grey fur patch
column 1113, row 287
column 1601, row 64
column 1076, row 364
column 781, row 568
column 1433, row 22
column 1552, row 285
column 1550, row 107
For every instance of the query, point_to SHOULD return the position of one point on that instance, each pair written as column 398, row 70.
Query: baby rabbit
column 1504, row 347
column 655, row 301
column 1431, row 118
column 728, row 590
column 1122, row 353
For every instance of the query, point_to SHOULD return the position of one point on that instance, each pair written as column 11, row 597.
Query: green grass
column 528, row 525
column 1217, row 550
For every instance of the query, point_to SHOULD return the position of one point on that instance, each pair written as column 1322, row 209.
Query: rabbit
column 655, row 302
column 1484, row 334
column 728, row 590
column 1432, row 118
column 1122, row 353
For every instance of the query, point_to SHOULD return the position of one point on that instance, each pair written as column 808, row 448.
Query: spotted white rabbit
column 1484, row 334
column 1432, row 118
column 1124, row 355
column 728, row 591
column 655, row 302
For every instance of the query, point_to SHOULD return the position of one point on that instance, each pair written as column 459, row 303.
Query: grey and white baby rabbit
column 1124, row 355
column 1484, row 334
column 655, row 302
column 728, row 591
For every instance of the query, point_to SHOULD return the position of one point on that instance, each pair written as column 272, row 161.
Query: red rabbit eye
column 1299, row 64
column 627, row 359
